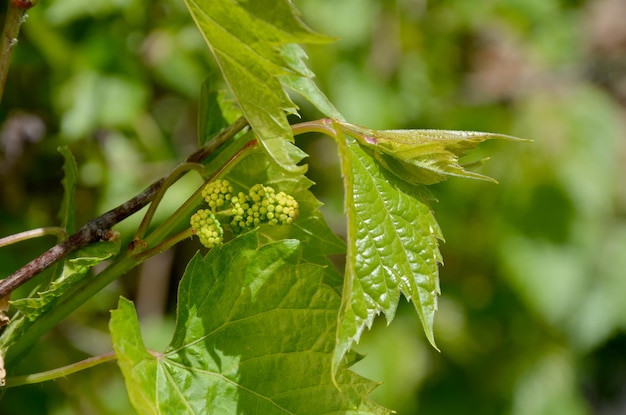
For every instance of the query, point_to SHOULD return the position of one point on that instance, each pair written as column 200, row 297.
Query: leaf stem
column 176, row 174
column 323, row 126
column 164, row 245
column 60, row 372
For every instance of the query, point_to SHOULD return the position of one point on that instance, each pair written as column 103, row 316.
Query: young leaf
column 248, row 41
column 216, row 112
column 392, row 248
column 421, row 156
column 74, row 269
column 254, row 334
column 305, row 85
column 33, row 308
column 136, row 363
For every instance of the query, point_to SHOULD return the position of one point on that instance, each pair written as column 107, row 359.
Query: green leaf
column 254, row 335
column 311, row 229
column 74, row 269
column 35, row 308
column 210, row 118
column 392, row 248
column 248, row 40
column 421, row 156
column 216, row 112
column 67, row 214
column 305, row 85
column 137, row 365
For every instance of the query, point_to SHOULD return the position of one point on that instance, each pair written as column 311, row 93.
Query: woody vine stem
column 100, row 228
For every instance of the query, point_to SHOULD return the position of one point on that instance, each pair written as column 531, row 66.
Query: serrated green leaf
column 67, row 214
column 304, row 84
column 254, row 335
column 248, row 41
column 421, row 156
column 392, row 248
column 35, row 308
column 74, row 269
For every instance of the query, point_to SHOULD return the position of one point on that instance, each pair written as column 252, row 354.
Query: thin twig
column 33, row 233
column 323, row 126
column 100, row 228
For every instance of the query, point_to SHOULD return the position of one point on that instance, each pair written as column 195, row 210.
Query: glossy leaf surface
column 255, row 334
column 392, row 248
column 249, row 41
column 421, row 156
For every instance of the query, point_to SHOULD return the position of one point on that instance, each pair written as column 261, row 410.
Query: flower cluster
column 262, row 205
column 217, row 194
column 207, row 227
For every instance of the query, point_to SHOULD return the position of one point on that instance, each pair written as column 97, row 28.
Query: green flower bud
column 217, row 193
column 207, row 227
column 262, row 205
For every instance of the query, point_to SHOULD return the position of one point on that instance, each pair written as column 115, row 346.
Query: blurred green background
column 532, row 317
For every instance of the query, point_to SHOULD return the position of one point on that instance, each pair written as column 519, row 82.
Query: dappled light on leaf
column 255, row 334
column 249, row 41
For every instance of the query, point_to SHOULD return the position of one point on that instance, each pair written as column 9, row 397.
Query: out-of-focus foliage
column 118, row 83
column 531, row 318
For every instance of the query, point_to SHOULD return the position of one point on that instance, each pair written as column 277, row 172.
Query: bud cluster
column 262, row 205
column 217, row 194
column 207, row 227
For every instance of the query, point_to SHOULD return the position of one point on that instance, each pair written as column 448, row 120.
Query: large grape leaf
column 251, row 44
column 392, row 248
column 255, row 334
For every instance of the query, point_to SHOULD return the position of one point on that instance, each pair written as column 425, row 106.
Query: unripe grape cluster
column 262, row 205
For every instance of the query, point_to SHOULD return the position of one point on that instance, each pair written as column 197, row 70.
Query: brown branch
column 100, row 228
